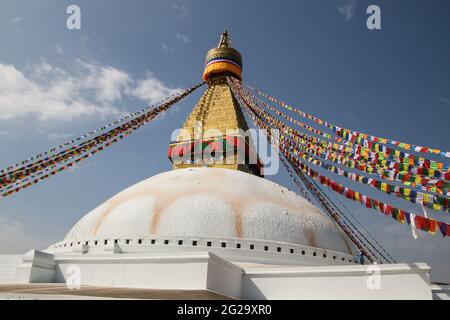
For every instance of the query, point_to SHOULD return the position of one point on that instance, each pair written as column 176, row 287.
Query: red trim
column 216, row 146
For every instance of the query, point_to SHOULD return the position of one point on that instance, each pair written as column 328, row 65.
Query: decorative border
column 132, row 245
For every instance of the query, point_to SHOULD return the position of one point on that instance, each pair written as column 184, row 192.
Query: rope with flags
column 352, row 135
column 388, row 158
column 82, row 137
column 330, row 209
column 409, row 175
column 305, row 164
column 431, row 201
column 19, row 178
column 391, row 170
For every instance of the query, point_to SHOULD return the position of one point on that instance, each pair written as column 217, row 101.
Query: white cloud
column 14, row 23
column 14, row 239
column 166, row 48
column 8, row 134
column 16, row 20
column 20, row 96
column 348, row 9
column 108, row 82
column 58, row 49
column 42, row 68
column 444, row 100
column 151, row 90
column 59, row 136
column 52, row 93
column 182, row 9
column 182, row 38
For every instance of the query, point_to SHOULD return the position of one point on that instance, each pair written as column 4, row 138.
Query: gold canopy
column 223, row 59
column 217, row 120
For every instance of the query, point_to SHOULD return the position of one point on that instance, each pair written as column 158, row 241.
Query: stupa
column 214, row 225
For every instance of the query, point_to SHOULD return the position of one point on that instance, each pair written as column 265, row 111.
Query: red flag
column 388, row 209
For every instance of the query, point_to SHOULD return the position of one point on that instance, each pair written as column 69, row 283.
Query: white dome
column 211, row 202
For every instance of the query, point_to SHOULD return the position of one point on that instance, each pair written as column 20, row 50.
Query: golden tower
column 215, row 133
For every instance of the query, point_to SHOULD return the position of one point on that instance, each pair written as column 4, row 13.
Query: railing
column 129, row 244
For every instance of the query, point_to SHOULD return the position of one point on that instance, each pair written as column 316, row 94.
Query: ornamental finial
column 225, row 41
column 223, row 59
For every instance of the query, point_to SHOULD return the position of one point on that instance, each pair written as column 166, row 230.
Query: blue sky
column 318, row 55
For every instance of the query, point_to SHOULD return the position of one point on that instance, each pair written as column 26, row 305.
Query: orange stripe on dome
column 221, row 66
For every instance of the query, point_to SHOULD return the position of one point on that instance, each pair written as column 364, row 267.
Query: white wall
column 178, row 271
column 8, row 266
column 36, row 267
column 224, row 277
column 205, row 270
column 399, row 281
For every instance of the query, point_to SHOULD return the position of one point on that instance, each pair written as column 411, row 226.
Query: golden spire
column 225, row 41
column 215, row 133
column 223, row 59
